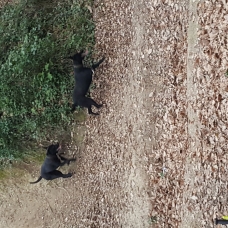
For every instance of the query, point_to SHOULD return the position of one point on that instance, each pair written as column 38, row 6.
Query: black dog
column 83, row 79
column 51, row 163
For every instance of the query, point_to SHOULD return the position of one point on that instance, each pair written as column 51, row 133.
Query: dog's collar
column 77, row 66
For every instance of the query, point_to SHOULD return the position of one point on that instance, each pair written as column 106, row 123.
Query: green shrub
column 36, row 83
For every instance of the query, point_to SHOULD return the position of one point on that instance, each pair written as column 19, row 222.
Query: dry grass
column 4, row 2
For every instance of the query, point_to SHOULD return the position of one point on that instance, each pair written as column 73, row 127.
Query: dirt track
column 156, row 155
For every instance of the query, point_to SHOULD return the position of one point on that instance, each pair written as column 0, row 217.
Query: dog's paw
column 95, row 114
column 71, row 160
column 69, row 174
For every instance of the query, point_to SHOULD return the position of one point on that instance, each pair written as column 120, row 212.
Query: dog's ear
column 53, row 149
column 48, row 151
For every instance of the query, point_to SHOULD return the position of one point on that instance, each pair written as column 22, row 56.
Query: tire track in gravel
column 111, row 187
column 126, row 107
column 188, row 218
column 138, row 179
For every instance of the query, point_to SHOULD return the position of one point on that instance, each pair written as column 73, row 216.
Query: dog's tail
column 36, row 181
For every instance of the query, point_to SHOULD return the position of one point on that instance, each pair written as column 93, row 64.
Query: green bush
column 36, row 83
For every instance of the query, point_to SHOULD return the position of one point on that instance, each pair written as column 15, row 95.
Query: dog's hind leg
column 91, row 102
column 95, row 65
column 91, row 112
column 56, row 174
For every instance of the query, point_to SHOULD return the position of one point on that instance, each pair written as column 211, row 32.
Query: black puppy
column 83, row 79
column 51, row 163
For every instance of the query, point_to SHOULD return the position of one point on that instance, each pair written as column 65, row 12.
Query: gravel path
column 156, row 154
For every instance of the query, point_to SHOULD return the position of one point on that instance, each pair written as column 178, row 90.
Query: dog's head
column 78, row 57
column 53, row 149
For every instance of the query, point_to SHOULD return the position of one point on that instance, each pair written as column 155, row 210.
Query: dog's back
column 50, row 163
column 83, row 79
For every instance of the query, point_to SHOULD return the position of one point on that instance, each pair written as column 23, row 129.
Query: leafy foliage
column 36, row 85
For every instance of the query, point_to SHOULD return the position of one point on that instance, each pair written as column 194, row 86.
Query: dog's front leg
column 65, row 160
column 56, row 174
column 94, row 66
column 70, row 160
